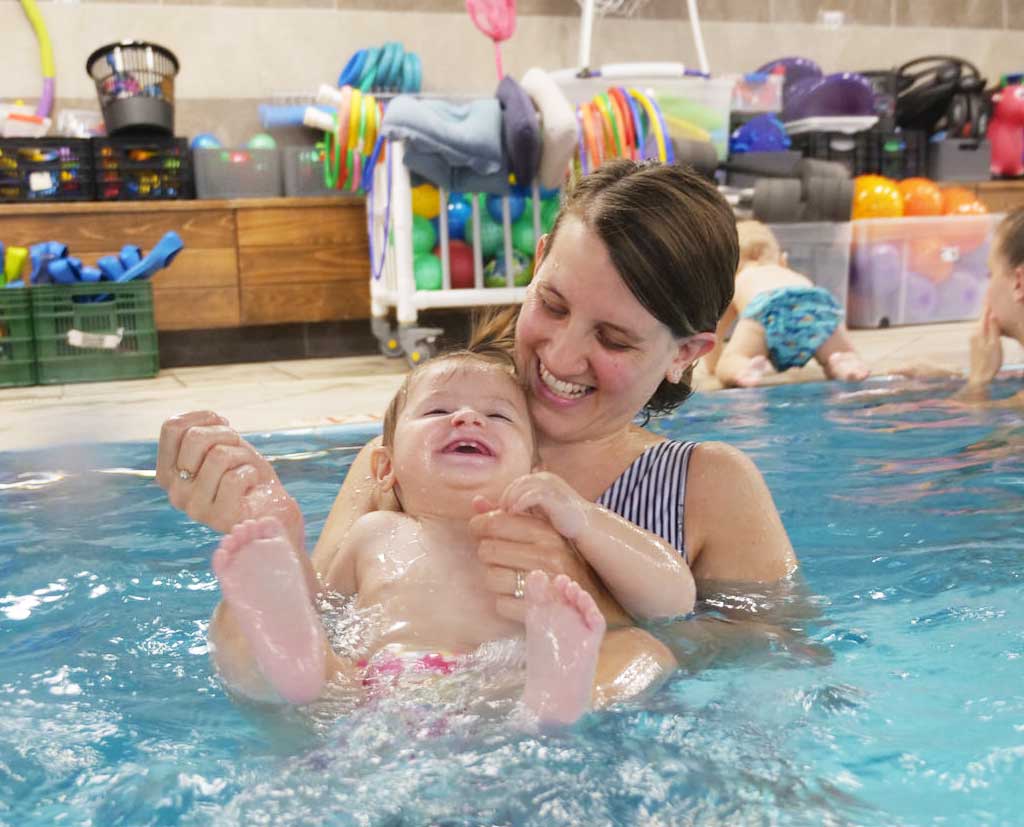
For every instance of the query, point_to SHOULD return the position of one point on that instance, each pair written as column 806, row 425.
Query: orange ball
column 933, row 258
column 921, row 196
column 960, row 201
column 875, row 196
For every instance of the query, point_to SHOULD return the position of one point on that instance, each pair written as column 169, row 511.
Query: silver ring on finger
column 185, row 475
column 520, row 589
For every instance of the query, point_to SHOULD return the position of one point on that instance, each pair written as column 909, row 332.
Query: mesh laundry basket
column 135, row 84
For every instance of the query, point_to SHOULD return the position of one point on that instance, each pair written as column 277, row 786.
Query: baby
column 457, row 429
column 784, row 320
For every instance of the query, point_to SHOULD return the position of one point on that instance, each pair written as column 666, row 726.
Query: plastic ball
column 426, row 201
column 492, row 237
column 516, row 207
column 875, row 196
column 876, row 269
column 548, row 213
column 963, row 295
column 459, row 214
column 523, row 238
column 972, row 231
column 205, row 140
column 424, row 237
column 460, row 264
column 934, row 258
column 922, row 299
column 921, row 196
column 427, row 272
column 261, row 140
column 494, row 270
column 961, row 201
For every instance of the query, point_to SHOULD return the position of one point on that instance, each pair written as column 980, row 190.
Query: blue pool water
column 891, row 690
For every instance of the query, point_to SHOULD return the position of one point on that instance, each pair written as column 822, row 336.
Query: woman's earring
column 675, row 375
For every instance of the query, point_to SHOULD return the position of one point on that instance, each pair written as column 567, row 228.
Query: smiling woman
column 629, row 286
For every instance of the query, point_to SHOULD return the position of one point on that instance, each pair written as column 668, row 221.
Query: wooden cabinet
column 245, row 262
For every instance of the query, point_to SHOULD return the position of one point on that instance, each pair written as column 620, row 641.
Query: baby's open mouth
column 471, row 447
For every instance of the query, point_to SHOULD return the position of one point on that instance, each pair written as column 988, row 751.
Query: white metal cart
column 392, row 283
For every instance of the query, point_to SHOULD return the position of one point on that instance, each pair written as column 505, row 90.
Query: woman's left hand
column 522, row 542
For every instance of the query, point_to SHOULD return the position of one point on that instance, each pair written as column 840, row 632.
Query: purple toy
column 961, row 296
column 841, row 94
column 920, row 299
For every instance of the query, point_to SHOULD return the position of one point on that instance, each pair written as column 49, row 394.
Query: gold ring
column 520, row 585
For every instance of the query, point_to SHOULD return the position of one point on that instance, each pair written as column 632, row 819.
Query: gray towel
column 452, row 145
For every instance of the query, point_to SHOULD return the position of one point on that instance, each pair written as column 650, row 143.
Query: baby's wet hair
column 757, row 243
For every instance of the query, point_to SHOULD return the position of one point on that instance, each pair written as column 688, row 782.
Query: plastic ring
column 611, row 134
column 353, row 69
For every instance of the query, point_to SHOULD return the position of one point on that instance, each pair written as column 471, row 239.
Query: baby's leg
column 273, row 646
column 839, row 359
column 744, row 361
column 564, row 629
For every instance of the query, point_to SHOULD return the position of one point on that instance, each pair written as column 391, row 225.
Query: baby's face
column 465, row 429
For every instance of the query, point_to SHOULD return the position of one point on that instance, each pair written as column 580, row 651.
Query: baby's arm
column 644, row 573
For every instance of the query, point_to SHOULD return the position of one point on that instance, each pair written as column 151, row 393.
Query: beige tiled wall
column 235, row 53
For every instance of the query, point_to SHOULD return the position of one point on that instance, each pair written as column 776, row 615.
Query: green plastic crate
column 17, row 347
column 104, row 310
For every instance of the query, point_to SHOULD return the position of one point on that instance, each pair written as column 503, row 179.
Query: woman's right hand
column 227, row 480
column 986, row 350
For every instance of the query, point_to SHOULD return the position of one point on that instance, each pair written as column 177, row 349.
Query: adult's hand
column 986, row 350
column 508, row 543
column 219, row 479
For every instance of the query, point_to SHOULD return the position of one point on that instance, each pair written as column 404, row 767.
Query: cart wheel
column 418, row 343
column 777, row 200
column 387, row 339
column 829, row 199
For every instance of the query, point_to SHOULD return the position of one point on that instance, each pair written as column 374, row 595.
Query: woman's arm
column 733, row 530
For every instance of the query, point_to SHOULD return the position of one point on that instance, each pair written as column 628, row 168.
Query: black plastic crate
column 46, row 169
column 893, row 153
column 144, row 169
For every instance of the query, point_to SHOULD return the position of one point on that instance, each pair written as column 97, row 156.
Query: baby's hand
column 548, row 494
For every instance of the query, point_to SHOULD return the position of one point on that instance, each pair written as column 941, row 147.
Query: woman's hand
column 521, row 542
column 219, row 479
column 986, row 350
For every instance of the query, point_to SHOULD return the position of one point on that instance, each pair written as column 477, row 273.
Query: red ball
column 460, row 264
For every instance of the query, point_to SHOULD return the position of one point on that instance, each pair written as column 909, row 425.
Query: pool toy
column 52, row 264
column 497, row 20
column 835, row 95
column 460, row 264
column 386, row 69
column 426, row 201
column 524, row 238
column 14, row 259
column 205, row 140
column 459, row 213
column 516, row 207
column 427, row 272
column 261, row 140
column 875, row 196
column 351, row 147
column 549, row 212
column 1006, row 132
column 17, row 121
column 424, row 235
column 492, row 237
column 763, row 133
column 921, row 196
column 522, row 272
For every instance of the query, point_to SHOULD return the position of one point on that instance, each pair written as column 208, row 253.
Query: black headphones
column 941, row 92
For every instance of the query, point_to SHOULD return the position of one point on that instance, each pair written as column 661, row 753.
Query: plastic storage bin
column 895, row 155
column 94, row 332
column 237, row 173
column 304, row 172
column 918, row 270
column 694, row 108
column 17, row 347
column 46, row 169
column 142, row 170
column 820, row 251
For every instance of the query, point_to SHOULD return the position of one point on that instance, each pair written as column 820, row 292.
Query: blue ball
column 205, row 140
column 459, row 215
column 516, row 206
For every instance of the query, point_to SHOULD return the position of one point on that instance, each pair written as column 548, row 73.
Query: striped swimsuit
column 649, row 493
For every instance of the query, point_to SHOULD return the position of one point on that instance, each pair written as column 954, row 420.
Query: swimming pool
column 900, row 703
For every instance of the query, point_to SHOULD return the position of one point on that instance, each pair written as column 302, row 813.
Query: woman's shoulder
column 715, row 464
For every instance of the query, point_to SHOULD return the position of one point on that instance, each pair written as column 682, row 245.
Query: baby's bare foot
column 846, row 366
column 564, row 629
column 755, row 372
column 267, row 586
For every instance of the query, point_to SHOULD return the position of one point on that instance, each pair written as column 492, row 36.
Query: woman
column 628, row 288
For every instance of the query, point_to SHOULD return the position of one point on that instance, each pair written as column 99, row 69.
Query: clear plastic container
column 820, row 251
column 918, row 270
column 237, row 173
column 304, row 173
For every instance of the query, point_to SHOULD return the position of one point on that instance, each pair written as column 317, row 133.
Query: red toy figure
column 1006, row 132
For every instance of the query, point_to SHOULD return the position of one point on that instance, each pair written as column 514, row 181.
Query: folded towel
column 453, row 145
column 521, row 130
column 558, row 127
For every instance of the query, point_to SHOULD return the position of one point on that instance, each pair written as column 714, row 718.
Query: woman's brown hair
column 1010, row 238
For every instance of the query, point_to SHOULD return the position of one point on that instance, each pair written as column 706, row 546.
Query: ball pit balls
column 875, row 196
column 427, row 272
column 424, row 237
column 261, row 140
column 426, row 201
column 494, row 270
column 205, row 140
column 548, row 213
column 523, row 238
column 460, row 264
column 921, row 196
column 516, row 206
column 492, row 238
column 459, row 213
column 961, row 201
column 934, row 258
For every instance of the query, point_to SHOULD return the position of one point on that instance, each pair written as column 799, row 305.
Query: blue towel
column 452, row 145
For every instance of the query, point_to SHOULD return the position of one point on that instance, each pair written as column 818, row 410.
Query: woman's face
column 1006, row 292
column 592, row 356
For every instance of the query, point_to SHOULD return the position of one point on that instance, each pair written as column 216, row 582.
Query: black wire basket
column 135, row 84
